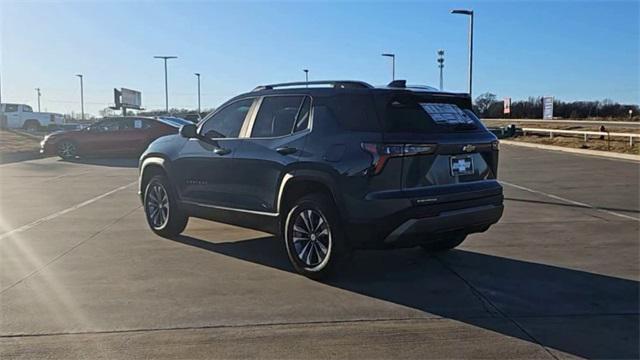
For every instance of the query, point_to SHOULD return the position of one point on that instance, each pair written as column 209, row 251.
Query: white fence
column 608, row 123
column 585, row 134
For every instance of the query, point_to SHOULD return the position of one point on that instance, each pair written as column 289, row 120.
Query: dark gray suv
column 330, row 166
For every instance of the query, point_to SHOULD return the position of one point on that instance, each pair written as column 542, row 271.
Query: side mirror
column 188, row 131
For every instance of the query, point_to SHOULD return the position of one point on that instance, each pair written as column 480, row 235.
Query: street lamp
column 81, row 96
column 441, row 65
column 393, row 65
column 39, row 94
column 166, row 84
column 306, row 76
column 198, row 75
column 470, row 14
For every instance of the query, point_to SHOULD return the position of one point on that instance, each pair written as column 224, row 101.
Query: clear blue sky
column 573, row 50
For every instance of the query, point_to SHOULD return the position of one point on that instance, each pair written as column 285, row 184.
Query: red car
column 125, row 136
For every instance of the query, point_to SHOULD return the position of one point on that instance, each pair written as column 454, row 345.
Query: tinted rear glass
column 408, row 113
column 354, row 112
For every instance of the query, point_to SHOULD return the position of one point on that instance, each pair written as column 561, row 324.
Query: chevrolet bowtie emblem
column 469, row 148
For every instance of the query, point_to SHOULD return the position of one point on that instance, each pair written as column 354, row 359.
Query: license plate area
column 460, row 165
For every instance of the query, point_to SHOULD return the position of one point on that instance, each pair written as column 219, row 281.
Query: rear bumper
column 411, row 220
column 469, row 220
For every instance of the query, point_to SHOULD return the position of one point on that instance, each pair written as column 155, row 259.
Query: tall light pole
column 198, row 76
column 81, row 95
column 470, row 14
column 306, row 76
column 393, row 65
column 39, row 94
column 166, row 83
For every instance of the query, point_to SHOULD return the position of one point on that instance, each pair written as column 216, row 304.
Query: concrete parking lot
column 81, row 276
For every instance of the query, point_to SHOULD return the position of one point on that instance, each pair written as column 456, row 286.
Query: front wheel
column 313, row 236
column 161, row 208
column 447, row 243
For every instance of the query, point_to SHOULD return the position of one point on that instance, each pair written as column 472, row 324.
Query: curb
column 598, row 153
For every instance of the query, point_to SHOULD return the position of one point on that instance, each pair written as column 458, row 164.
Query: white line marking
column 573, row 202
column 62, row 212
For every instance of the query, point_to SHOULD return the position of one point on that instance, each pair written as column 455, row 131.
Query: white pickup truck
column 21, row 116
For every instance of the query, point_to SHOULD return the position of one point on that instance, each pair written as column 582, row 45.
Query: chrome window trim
column 309, row 123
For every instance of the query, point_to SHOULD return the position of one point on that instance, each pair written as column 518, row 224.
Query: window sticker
column 137, row 124
column 446, row 114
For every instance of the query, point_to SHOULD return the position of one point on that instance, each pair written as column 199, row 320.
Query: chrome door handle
column 286, row 150
column 221, row 151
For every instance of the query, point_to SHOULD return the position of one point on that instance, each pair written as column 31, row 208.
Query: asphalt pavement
column 81, row 276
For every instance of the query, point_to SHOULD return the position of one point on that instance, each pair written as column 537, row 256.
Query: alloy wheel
column 67, row 150
column 312, row 239
column 157, row 205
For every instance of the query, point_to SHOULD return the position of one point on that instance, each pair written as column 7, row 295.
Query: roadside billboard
column 547, row 107
column 131, row 99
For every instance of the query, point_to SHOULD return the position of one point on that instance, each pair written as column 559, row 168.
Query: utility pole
column 166, row 82
column 198, row 75
column 470, row 14
column 441, row 66
column 81, row 96
column 393, row 65
column 39, row 94
column 306, row 76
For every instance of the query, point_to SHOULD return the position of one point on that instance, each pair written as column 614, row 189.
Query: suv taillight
column 383, row 152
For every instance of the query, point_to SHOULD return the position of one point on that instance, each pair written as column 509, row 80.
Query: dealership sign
column 547, row 107
column 507, row 106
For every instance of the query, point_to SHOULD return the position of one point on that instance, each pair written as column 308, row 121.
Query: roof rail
column 340, row 84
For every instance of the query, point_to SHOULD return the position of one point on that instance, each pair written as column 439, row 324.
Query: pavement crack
column 485, row 301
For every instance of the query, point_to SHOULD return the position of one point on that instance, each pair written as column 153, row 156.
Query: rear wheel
column 313, row 236
column 67, row 150
column 161, row 208
column 447, row 243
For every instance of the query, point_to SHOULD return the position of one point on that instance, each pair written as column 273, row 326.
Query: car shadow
column 577, row 312
column 108, row 162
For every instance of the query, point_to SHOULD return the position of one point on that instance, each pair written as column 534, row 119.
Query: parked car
column 330, row 169
column 125, row 136
column 21, row 116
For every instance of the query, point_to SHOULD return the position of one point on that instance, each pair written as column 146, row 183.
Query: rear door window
column 278, row 115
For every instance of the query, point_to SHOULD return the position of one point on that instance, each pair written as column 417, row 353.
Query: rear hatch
column 437, row 136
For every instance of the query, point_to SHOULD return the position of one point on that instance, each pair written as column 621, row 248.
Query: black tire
column 67, row 150
column 447, row 243
column 321, row 216
column 161, row 208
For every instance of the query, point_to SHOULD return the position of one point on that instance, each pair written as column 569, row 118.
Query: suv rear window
column 406, row 113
